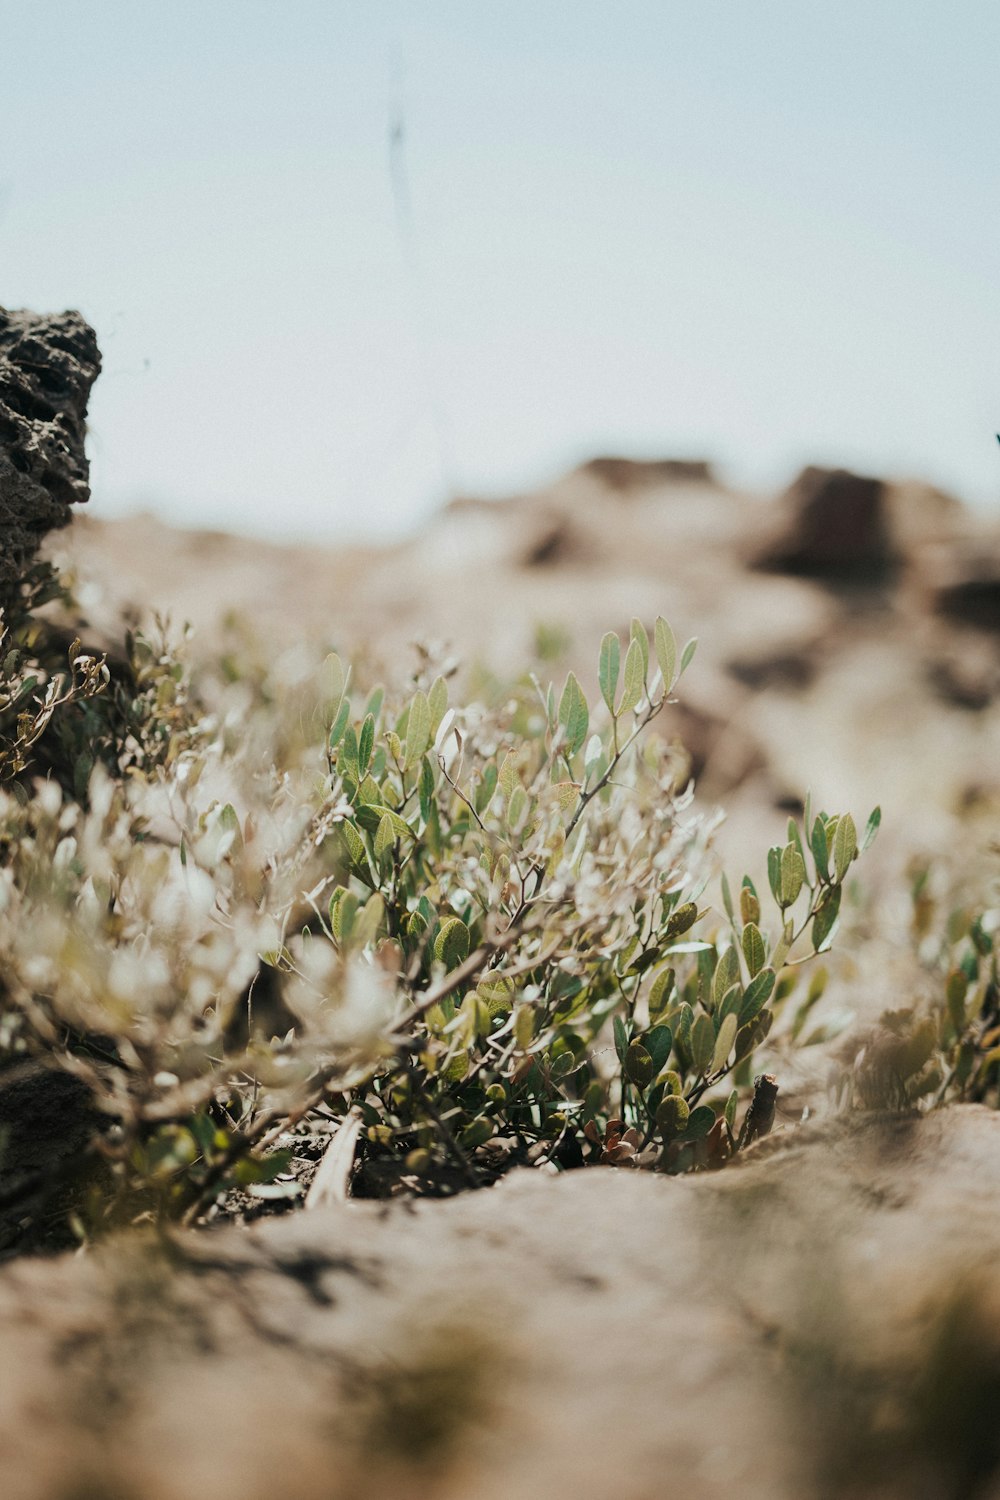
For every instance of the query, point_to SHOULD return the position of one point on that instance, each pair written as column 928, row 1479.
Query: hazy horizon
column 346, row 261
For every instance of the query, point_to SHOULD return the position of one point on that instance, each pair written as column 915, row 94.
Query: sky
column 348, row 259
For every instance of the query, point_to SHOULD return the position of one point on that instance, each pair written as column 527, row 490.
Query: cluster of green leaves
column 538, row 895
column 481, row 931
column 946, row 1047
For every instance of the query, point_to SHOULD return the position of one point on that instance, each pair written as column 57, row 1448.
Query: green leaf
column 230, row 823
column 774, row 871
column 437, row 702
column 871, row 829
column 371, row 815
column 793, row 875
column 727, row 898
column 666, row 652
column 681, row 920
column 607, row 671
column 573, row 714
column 820, row 849
column 355, row 845
column 426, row 789
column 724, row 1042
column 632, row 683
column 749, row 902
column 637, row 632
column 732, row 1103
column 727, row 973
column 349, row 752
column 334, row 679
column 731, row 1001
column 621, row 1039
column 516, row 807
column 451, row 946
column 639, row 1065
column 418, row 730
column 682, row 1022
column 507, row 777
column 782, row 946
column 702, row 1042
column 756, row 995
column 672, row 1115
column 366, row 742
column 343, row 913
column 845, row 846
column 497, row 993
column 385, row 840
column 369, row 792
column 700, row 1122
column 753, row 948
column 370, row 920
column 659, row 994
column 339, row 724
column 687, row 655
column 659, row 1043
column 825, row 919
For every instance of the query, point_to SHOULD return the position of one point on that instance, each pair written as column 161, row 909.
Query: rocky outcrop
column 632, row 473
column 833, row 525
column 965, row 588
column 48, row 363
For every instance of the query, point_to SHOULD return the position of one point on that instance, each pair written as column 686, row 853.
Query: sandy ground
column 780, row 1329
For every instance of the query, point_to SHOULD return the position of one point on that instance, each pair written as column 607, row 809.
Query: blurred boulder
column 48, row 363
column 631, row 473
column 965, row 586
column 830, row 525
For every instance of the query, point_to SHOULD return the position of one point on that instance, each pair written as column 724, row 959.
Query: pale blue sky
column 763, row 231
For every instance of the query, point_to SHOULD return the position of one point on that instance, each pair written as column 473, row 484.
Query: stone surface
column 48, row 363
column 792, row 1328
column 832, row 524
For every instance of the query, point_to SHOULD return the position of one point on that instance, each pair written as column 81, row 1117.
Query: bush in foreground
column 472, row 934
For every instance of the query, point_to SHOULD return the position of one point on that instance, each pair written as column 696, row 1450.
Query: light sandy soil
column 777, row 1330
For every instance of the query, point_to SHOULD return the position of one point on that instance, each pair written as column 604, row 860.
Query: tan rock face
column 790, row 1328
column 48, row 364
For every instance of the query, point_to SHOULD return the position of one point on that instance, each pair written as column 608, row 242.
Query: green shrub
column 480, row 929
column 945, row 1047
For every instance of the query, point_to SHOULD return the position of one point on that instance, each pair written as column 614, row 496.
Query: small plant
column 947, row 1046
column 476, row 928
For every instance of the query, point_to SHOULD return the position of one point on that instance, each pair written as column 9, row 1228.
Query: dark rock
column 832, row 524
column 47, row 1120
column 48, row 364
column 972, row 596
column 631, row 473
column 555, row 542
column 965, row 678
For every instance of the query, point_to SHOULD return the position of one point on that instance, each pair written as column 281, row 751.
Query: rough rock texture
column 819, row 1321
column 832, row 524
column 48, row 363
